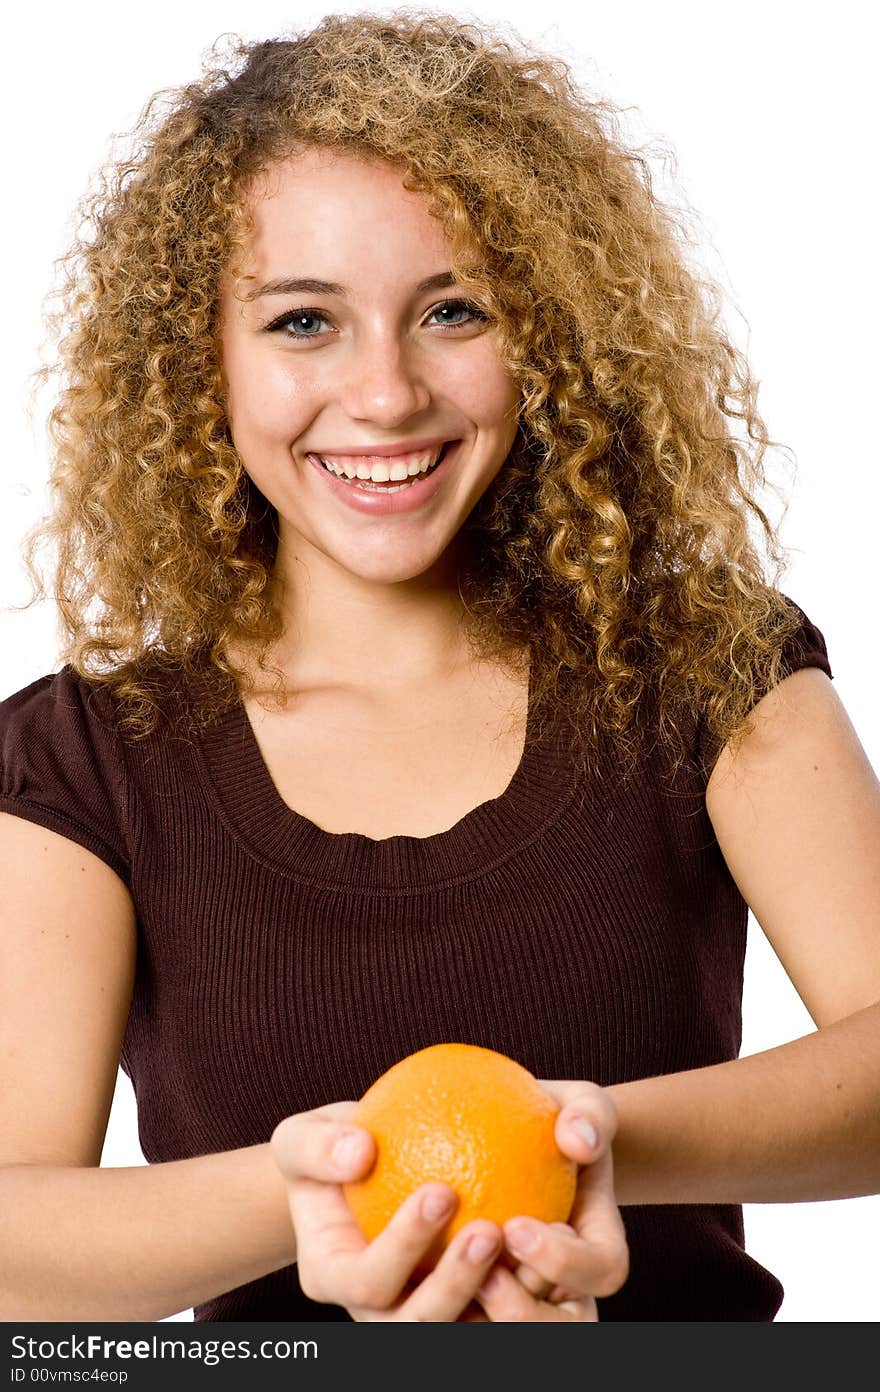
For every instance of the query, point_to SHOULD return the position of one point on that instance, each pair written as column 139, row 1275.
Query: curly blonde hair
column 614, row 543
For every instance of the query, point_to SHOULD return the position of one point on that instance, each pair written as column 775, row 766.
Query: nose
column 386, row 385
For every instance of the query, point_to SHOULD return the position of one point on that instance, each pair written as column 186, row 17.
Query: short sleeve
column 805, row 648
column 61, row 766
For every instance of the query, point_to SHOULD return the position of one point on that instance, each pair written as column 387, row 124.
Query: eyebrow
column 307, row 286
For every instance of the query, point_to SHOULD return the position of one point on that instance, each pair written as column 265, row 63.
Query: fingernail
column 587, row 1132
column 481, row 1247
column 522, row 1238
column 348, row 1150
column 435, row 1207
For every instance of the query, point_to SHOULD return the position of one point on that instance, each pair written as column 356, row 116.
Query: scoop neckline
column 254, row 811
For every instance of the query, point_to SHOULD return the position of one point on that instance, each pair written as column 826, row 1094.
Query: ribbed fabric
column 587, row 929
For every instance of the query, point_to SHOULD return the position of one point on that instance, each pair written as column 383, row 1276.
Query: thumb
column 323, row 1145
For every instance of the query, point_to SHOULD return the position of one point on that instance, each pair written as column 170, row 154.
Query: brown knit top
column 588, row 930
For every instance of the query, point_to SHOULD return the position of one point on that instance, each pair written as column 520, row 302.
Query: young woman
column 422, row 682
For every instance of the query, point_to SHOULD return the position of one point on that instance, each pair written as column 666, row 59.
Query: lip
column 386, row 451
column 380, row 503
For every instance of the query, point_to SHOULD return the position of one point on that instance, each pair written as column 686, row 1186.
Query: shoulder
column 804, row 648
column 61, row 764
column 53, row 701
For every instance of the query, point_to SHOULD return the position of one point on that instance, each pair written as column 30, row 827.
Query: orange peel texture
column 476, row 1120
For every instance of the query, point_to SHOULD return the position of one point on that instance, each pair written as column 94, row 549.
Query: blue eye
column 297, row 323
column 457, row 307
column 306, row 323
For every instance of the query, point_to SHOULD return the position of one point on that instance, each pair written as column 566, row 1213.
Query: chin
column 383, row 573
column 391, row 561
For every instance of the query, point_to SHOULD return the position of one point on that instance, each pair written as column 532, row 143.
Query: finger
column 578, row 1311
column 597, row 1262
column 376, row 1277
column 538, row 1285
column 585, row 1128
column 319, row 1145
column 316, row 1152
column 596, row 1218
column 532, row 1281
column 323, row 1223
column 596, row 1103
column 447, row 1292
column 546, row 1253
column 328, row 1240
column 591, row 1260
column 505, row 1301
column 586, row 1124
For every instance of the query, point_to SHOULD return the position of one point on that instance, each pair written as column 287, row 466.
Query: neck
column 344, row 630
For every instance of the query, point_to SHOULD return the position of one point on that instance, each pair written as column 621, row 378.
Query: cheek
column 502, row 398
column 265, row 400
column 485, row 390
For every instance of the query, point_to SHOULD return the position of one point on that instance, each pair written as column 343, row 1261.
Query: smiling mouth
column 367, row 474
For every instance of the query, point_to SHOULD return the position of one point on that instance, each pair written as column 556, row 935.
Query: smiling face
column 379, row 353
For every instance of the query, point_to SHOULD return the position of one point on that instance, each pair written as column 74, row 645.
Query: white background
column 767, row 108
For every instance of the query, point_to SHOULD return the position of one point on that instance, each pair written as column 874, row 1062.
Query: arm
column 793, row 1124
column 141, row 1243
column 78, row 1242
column 797, row 818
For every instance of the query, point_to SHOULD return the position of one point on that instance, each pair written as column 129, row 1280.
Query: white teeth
column 381, row 470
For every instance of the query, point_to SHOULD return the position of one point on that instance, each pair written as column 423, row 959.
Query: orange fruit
column 474, row 1119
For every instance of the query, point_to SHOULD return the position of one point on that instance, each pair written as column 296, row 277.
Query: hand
column 372, row 1280
column 571, row 1263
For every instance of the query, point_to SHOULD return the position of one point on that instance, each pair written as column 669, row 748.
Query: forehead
column 330, row 204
